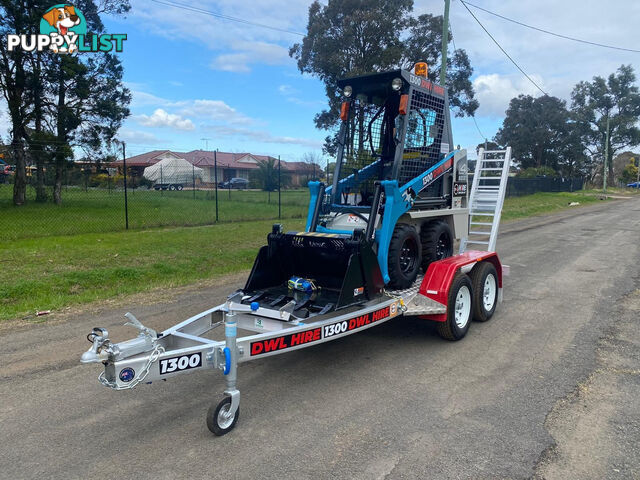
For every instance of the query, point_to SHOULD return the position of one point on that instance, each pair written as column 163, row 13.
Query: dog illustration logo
column 65, row 21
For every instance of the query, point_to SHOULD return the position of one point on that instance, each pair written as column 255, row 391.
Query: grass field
column 55, row 271
column 98, row 210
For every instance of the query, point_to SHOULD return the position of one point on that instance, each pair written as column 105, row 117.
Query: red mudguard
column 437, row 280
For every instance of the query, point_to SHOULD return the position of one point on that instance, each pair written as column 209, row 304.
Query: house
column 230, row 165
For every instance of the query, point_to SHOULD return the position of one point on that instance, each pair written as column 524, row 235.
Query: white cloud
column 161, row 118
column 137, row 137
column 494, row 92
column 262, row 136
column 250, row 53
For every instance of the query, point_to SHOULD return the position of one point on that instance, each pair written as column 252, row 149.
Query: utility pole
column 445, row 43
column 606, row 158
column 206, row 143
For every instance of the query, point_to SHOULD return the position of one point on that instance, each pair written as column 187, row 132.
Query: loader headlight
column 347, row 91
column 396, row 84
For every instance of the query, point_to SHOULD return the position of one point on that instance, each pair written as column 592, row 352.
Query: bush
column 533, row 172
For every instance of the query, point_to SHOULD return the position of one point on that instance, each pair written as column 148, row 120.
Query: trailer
column 399, row 185
column 452, row 292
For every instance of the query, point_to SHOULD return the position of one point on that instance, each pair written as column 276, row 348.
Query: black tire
column 484, row 281
column 214, row 419
column 404, row 256
column 179, row 187
column 437, row 242
column 455, row 328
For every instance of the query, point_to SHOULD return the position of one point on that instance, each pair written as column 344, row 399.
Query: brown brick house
column 230, row 165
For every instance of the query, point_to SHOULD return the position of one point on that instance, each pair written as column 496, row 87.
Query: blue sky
column 194, row 76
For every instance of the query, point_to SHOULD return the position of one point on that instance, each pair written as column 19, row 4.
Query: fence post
column 161, row 182
column 126, row 203
column 193, row 176
column 279, row 185
column 215, row 178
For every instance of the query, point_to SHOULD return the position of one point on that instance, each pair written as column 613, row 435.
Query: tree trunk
column 60, row 137
column 41, row 193
column 20, row 179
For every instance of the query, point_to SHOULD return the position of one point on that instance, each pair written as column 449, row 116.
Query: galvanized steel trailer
column 452, row 292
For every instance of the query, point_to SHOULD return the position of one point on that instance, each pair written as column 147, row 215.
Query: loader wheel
column 484, row 280
column 404, row 256
column 437, row 242
column 459, row 308
column 217, row 420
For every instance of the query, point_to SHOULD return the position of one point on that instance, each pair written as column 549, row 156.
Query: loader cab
column 394, row 125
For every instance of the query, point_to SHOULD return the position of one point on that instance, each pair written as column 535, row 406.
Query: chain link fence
column 98, row 202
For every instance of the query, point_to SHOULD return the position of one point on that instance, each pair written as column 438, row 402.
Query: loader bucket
column 344, row 268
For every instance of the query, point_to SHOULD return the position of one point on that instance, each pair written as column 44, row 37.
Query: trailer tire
column 484, row 280
column 216, row 422
column 404, row 256
column 179, row 187
column 459, row 309
column 437, row 242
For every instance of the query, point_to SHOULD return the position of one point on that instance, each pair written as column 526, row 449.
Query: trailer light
column 396, row 84
column 347, row 91
column 344, row 111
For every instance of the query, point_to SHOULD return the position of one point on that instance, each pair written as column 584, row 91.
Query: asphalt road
column 549, row 388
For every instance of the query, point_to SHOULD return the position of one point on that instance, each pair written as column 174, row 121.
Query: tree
column 630, row 172
column 267, row 174
column 617, row 98
column 54, row 100
column 14, row 70
column 355, row 37
column 535, row 129
column 314, row 160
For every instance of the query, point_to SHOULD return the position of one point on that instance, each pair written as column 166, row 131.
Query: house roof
column 205, row 158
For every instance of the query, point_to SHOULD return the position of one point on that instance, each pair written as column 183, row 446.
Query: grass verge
column 52, row 272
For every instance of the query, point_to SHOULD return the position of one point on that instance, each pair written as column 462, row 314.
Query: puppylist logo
column 63, row 29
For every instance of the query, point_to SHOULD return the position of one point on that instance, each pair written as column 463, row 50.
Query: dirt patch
column 597, row 427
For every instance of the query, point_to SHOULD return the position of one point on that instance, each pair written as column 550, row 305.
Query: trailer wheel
column 459, row 308
column 437, row 242
column 172, row 187
column 217, row 420
column 179, row 187
column 484, row 280
column 404, row 256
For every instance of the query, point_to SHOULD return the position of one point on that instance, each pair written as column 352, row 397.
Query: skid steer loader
column 397, row 202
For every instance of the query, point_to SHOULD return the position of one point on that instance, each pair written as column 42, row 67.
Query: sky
column 200, row 82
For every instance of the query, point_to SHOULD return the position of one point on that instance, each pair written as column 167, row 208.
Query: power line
column 566, row 37
column 455, row 49
column 171, row 3
column 503, row 50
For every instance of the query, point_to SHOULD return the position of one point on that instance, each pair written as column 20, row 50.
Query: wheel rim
column 408, row 256
column 462, row 307
column 443, row 247
column 224, row 419
column 489, row 292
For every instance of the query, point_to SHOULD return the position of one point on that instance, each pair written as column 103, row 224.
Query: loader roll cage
column 396, row 128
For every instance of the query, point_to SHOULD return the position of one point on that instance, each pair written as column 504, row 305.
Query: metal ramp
column 486, row 199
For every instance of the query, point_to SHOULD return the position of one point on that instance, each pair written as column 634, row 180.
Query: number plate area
column 180, row 363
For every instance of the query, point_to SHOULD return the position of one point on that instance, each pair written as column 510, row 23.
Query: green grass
column 542, row 203
column 55, row 271
column 49, row 273
column 98, row 210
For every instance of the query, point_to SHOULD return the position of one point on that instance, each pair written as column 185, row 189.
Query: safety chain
column 157, row 351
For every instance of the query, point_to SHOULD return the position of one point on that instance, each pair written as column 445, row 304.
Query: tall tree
column 267, row 174
column 17, row 17
column 534, row 128
column 355, row 37
column 616, row 98
column 91, row 101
